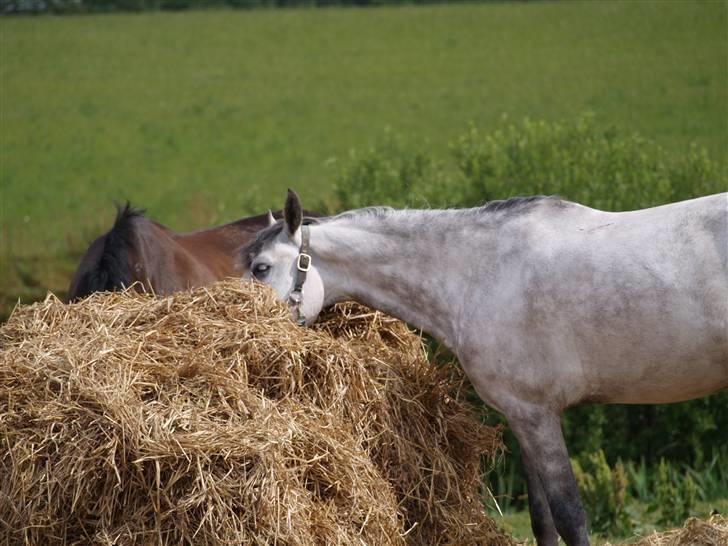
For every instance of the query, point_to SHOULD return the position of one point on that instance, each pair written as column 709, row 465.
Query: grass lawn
column 519, row 523
column 203, row 117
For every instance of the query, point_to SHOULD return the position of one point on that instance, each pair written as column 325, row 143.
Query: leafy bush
column 671, row 490
column 666, row 489
column 604, row 493
column 392, row 173
column 675, row 495
column 711, row 478
column 580, row 161
column 603, row 168
column 685, row 433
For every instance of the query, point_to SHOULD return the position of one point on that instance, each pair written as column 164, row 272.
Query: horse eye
column 260, row 270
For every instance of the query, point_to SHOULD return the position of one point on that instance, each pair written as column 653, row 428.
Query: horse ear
column 271, row 219
column 292, row 212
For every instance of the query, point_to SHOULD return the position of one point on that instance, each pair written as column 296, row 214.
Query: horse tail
column 105, row 266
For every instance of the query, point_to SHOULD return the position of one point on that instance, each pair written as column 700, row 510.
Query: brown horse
column 144, row 253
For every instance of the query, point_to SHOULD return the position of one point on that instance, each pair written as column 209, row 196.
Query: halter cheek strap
column 303, row 264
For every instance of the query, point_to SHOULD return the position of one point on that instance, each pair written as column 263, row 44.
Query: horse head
column 280, row 256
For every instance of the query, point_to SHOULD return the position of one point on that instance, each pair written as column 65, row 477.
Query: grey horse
column 546, row 303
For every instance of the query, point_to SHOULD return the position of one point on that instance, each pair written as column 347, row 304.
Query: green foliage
column 678, row 486
column 639, row 486
column 685, row 433
column 604, row 493
column 711, row 478
column 675, row 495
column 604, row 168
column 391, row 173
column 601, row 167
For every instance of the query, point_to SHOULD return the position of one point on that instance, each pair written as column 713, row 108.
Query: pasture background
column 204, row 117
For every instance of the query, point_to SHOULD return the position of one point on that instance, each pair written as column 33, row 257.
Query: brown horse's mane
column 105, row 266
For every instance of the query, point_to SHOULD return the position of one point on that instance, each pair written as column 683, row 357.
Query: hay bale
column 208, row 417
column 695, row 532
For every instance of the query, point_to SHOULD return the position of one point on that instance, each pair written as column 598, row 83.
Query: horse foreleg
column 547, row 464
column 542, row 523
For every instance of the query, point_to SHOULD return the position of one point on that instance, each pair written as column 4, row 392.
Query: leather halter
column 303, row 264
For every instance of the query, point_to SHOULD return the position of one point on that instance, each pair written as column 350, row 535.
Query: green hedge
column 581, row 161
column 601, row 167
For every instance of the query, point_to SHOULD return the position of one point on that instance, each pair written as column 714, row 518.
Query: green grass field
column 203, row 117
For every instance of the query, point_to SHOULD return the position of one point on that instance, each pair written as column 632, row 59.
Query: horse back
column 627, row 307
column 645, row 297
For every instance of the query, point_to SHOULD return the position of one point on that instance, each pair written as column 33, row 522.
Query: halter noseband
column 303, row 264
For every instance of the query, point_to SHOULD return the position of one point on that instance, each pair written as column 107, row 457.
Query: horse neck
column 397, row 263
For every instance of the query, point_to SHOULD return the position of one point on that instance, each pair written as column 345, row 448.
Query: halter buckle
column 304, row 262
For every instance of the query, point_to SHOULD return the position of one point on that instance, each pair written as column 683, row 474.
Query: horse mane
column 105, row 266
column 512, row 205
column 366, row 212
